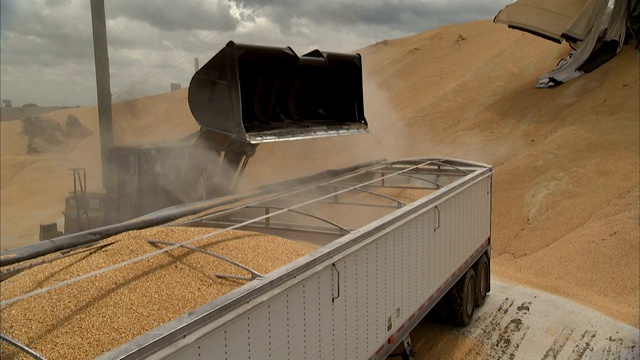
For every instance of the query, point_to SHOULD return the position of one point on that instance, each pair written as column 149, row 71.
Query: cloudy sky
column 46, row 46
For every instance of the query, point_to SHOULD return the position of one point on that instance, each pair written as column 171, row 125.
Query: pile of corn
column 89, row 317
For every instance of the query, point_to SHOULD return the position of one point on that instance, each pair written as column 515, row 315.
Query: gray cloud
column 47, row 44
column 47, row 33
column 405, row 16
column 169, row 15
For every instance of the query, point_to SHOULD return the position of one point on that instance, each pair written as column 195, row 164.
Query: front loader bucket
column 261, row 94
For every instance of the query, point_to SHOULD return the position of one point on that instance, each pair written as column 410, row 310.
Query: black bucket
column 260, row 94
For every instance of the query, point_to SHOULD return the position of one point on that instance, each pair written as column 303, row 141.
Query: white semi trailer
column 383, row 264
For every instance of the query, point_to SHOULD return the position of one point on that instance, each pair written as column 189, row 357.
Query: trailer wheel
column 482, row 279
column 464, row 299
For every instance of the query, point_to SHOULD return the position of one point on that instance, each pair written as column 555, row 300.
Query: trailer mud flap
column 262, row 94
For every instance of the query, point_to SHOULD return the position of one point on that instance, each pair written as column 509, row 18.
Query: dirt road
column 521, row 323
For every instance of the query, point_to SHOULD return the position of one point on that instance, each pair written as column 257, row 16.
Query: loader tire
column 481, row 269
column 463, row 299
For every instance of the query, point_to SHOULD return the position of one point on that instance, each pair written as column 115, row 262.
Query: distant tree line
column 9, row 104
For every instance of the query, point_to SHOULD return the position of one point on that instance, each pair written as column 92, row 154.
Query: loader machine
column 243, row 96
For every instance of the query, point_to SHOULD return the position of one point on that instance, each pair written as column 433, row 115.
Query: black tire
column 463, row 299
column 482, row 279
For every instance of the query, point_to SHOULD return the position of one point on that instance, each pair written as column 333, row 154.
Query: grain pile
column 91, row 316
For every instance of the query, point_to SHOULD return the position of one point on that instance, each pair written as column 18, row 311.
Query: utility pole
column 103, row 83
